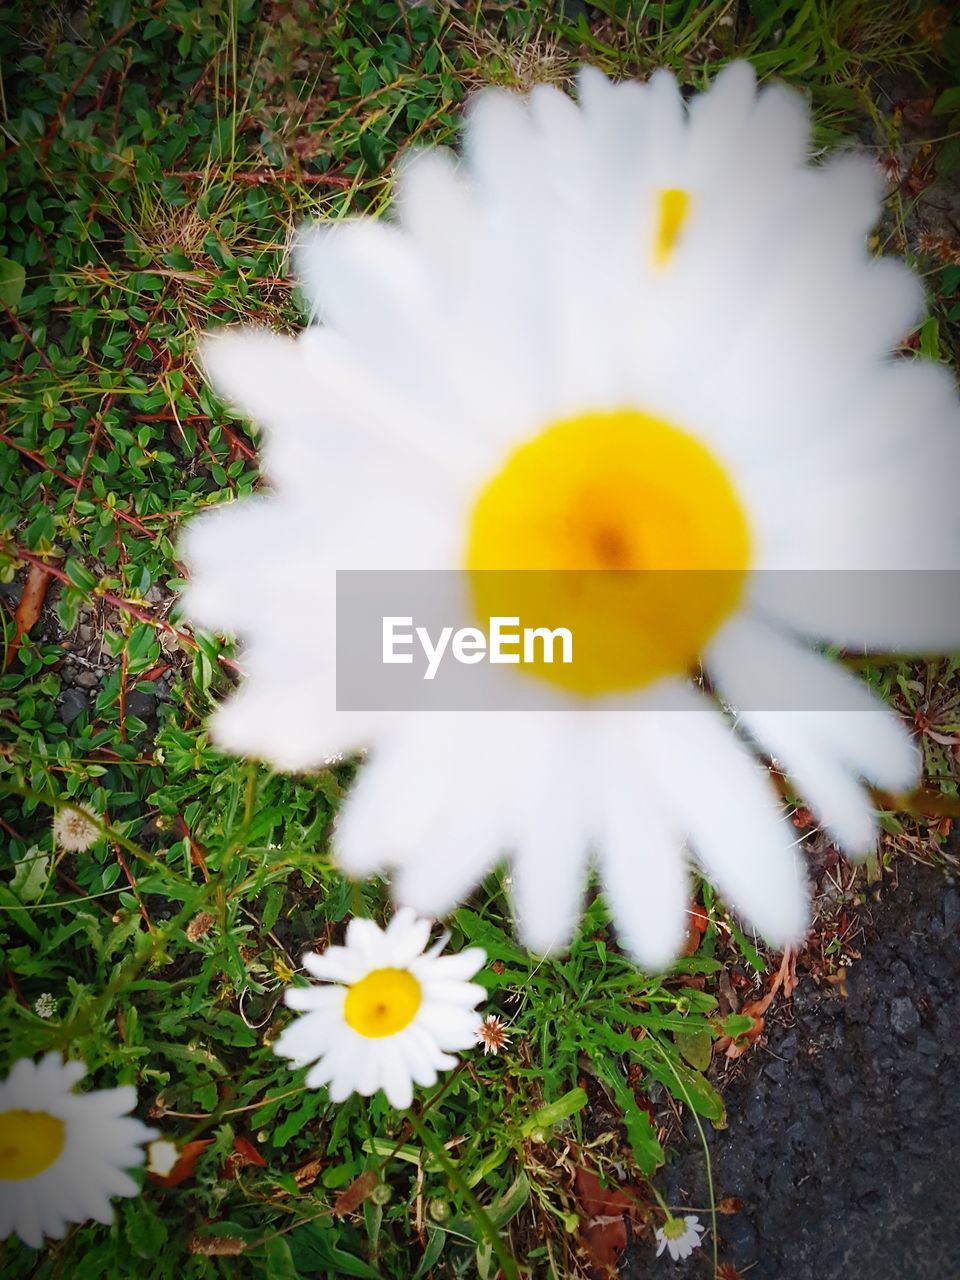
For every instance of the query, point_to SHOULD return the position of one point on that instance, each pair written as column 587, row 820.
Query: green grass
column 155, row 159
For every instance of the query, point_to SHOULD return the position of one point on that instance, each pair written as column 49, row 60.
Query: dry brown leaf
column 190, row 1153
column 729, row 1204
column 786, row 977
column 216, row 1246
column 605, row 1232
column 354, row 1195
column 243, row 1153
column 605, row 1239
column 308, row 1173
column 29, row 606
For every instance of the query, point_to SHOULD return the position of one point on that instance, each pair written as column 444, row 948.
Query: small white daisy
column 72, row 829
column 45, row 1006
column 709, row 387
column 679, row 1236
column 390, row 1014
column 62, row 1154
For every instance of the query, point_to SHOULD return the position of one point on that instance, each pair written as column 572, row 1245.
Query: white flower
column 45, row 1006
column 72, row 829
column 162, row 1155
column 63, row 1155
column 390, row 1014
column 633, row 333
column 680, row 1238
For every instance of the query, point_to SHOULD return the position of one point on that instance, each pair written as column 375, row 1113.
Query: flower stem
column 436, row 1148
column 668, row 1216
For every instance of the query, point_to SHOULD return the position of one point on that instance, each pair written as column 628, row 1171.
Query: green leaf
column 948, row 101
column 641, row 1134
column 279, row 1260
column 31, row 875
column 500, row 1211
column 930, row 338
column 436, row 1239
column 12, row 279
column 948, row 158
column 696, row 1047
column 80, row 575
column 554, row 1112
column 750, row 953
column 690, row 1087
column 736, row 1024
column 144, row 1230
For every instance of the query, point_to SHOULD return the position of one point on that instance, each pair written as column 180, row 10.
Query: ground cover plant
column 155, row 159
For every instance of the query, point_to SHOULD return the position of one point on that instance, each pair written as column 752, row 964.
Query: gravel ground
column 844, row 1128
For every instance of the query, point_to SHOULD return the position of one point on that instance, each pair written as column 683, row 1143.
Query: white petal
column 457, row 967
column 643, row 867
column 367, row 940
column 307, row 1038
column 397, row 1084
column 760, row 670
column 451, row 1028
column 717, row 793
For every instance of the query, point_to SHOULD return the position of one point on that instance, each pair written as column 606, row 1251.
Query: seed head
column 492, row 1034
column 74, row 828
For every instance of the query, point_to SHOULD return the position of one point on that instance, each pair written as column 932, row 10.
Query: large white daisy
column 389, row 1012
column 632, row 333
column 63, row 1154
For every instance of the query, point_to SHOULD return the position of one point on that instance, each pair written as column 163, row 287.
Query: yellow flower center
column 609, row 492
column 673, row 206
column 674, row 1228
column 30, row 1141
column 382, row 1003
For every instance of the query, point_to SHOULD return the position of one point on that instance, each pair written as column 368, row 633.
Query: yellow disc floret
column 30, row 1142
column 622, row 528
column 382, row 1003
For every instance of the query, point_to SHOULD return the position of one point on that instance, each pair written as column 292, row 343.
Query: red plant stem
column 133, row 885
column 126, row 606
column 57, row 120
column 61, row 475
column 15, row 320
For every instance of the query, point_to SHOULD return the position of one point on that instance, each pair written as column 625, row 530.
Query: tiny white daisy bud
column 45, row 1006
column 162, row 1155
column 492, row 1034
column 73, row 829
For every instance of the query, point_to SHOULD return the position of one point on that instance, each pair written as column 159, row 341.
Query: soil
column 843, row 1142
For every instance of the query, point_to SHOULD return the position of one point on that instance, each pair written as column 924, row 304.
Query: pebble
column 141, row 705
column 87, row 679
column 73, row 703
column 904, row 1017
